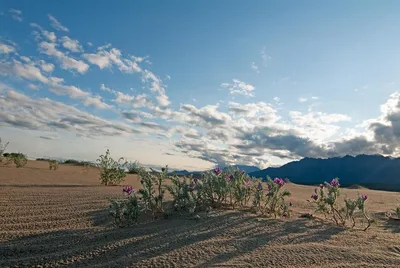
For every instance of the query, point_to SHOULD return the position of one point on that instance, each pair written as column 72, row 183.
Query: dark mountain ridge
column 371, row 171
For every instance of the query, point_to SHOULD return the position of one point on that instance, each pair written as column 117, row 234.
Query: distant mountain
column 371, row 171
column 247, row 169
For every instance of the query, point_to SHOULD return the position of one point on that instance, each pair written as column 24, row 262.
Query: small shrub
column 326, row 199
column 133, row 167
column 3, row 147
column 111, row 171
column 19, row 159
column 275, row 203
column 183, row 193
column 53, row 164
column 126, row 212
column 153, row 189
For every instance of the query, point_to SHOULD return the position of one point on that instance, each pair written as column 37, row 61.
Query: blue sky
column 192, row 84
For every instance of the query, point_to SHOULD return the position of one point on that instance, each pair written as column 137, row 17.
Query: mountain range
column 371, row 171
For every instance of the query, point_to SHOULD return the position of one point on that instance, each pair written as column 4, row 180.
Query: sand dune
column 58, row 218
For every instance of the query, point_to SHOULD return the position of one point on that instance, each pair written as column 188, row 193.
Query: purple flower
column 247, row 183
column 228, row 177
column 217, row 171
column 191, row 188
column 195, row 180
column 242, row 171
column 259, row 186
column 364, row 197
column 314, row 196
column 127, row 189
column 278, row 181
column 334, row 183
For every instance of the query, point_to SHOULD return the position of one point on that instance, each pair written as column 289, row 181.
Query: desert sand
column 59, row 218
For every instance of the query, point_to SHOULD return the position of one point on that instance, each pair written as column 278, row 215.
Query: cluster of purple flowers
column 127, row 189
column 364, row 197
column 228, row 177
column 315, row 194
column 195, row 180
column 334, row 183
column 217, row 171
column 280, row 182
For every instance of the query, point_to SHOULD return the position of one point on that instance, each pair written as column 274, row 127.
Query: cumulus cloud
column 106, row 57
column 71, row 44
column 56, row 24
column 31, row 72
column 16, row 14
column 239, row 87
column 18, row 110
column 66, row 62
column 6, row 48
column 301, row 99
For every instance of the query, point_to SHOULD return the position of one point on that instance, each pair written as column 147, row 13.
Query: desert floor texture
column 59, row 218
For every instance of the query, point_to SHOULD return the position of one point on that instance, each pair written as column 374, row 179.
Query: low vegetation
column 215, row 189
column 133, row 167
column 53, row 164
column 3, row 147
column 326, row 199
column 111, row 172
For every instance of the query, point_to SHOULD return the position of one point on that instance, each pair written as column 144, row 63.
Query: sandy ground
column 58, row 218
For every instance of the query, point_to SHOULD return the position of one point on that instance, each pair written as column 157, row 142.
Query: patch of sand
column 58, row 218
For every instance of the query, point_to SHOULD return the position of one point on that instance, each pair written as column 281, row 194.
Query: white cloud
column 46, row 67
column 314, row 97
column 6, row 49
column 67, row 62
column 16, row 14
column 89, row 44
column 105, row 59
column 33, row 87
column 70, row 44
column 56, row 24
column 254, row 67
column 239, row 87
column 302, row 99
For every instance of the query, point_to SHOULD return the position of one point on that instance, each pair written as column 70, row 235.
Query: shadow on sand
column 107, row 246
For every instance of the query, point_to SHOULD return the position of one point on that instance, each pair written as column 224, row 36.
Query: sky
column 195, row 84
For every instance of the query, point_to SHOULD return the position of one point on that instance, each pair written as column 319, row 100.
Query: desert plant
column 3, row 147
column 326, row 199
column 258, row 196
column 126, row 212
column 111, row 172
column 133, row 167
column 19, row 159
column 153, row 189
column 53, row 164
column 183, row 191
column 275, row 203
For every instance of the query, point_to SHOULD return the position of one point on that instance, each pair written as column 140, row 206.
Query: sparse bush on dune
column 53, row 164
column 3, row 147
column 19, row 159
column 111, row 172
column 133, row 167
column 153, row 189
column 217, row 188
column 327, row 200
